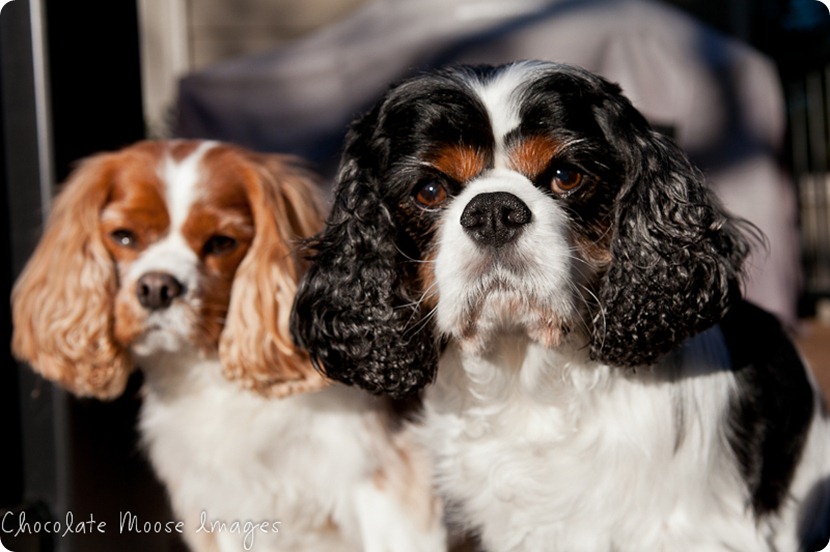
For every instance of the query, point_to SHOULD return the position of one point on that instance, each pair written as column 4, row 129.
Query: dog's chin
column 498, row 312
column 484, row 295
column 146, row 335
column 159, row 339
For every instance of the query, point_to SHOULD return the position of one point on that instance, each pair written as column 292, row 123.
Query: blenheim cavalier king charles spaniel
column 177, row 258
column 520, row 238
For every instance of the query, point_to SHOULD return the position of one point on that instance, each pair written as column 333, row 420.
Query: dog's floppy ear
column 255, row 347
column 676, row 256
column 62, row 303
column 355, row 311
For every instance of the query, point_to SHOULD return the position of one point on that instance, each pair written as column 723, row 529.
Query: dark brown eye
column 219, row 245
column 566, row 179
column 124, row 238
column 431, row 195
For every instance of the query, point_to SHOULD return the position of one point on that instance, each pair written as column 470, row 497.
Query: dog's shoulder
column 774, row 405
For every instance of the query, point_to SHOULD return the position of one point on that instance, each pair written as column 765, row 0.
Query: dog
column 178, row 258
column 518, row 241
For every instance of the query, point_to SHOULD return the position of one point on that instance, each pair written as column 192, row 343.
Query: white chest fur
column 309, row 462
column 544, row 450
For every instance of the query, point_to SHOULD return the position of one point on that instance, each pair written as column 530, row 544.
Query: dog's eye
column 124, row 238
column 219, row 245
column 566, row 179
column 431, row 194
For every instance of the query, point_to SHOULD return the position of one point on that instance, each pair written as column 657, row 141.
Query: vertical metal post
column 29, row 182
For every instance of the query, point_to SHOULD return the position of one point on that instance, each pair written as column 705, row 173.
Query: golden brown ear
column 255, row 347
column 62, row 301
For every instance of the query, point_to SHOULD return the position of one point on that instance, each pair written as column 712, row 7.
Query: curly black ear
column 676, row 256
column 356, row 311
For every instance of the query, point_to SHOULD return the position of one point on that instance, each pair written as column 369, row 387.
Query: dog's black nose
column 495, row 218
column 157, row 290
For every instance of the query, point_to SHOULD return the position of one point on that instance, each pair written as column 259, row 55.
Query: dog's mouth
column 157, row 337
column 497, row 307
column 504, row 265
column 146, row 332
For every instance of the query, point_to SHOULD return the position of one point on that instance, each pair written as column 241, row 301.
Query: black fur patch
column 358, row 309
column 771, row 416
column 671, row 257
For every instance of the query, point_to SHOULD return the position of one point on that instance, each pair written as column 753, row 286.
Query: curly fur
column 63, row 301
column 62, row 304
column 255, row 347
column 356, row 311
column 672, row 273
column 598, row 386
column 333, row 466
column 676, row 255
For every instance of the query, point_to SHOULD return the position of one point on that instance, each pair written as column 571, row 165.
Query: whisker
column 411, row 259
column 427, row 293
column 422, row 323
column 601, row 309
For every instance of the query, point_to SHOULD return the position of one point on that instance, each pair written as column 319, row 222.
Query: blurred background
column 743, row 85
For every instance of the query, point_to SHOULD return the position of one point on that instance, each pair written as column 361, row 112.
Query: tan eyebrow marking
column 532, row 155
column 459, row 162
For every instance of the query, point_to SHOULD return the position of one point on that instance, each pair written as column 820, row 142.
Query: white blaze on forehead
column 172, row 254
column 180, row 179
column 500, row 96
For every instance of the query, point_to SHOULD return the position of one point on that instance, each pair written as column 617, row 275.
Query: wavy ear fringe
column 62, row 301
column 255, row 346
column 676, row 255
column 354, row 312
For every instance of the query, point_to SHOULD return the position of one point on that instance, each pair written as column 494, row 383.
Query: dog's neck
column 181, row 372
column 517, row 374
column 512, row 363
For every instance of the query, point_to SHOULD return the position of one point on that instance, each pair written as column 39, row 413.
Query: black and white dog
column 522, row 232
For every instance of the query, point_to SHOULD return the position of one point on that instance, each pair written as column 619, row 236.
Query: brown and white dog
column 176, row 258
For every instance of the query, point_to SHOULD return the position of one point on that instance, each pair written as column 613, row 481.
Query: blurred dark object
column 802, row 49
column 796, row 35
column 95, row 78
column 721, row 98
column 70, row 87
column 808, row 102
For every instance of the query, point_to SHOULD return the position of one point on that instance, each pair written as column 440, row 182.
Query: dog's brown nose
column 495, row 218
column 157, row 290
